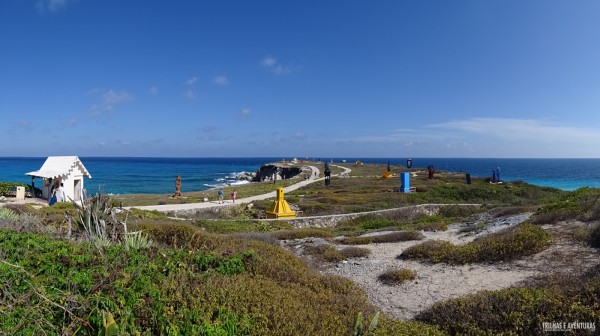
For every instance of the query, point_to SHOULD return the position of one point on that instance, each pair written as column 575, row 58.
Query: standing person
column 234, row 195
column 221, row 193
column 52, row 197
column 61, row 194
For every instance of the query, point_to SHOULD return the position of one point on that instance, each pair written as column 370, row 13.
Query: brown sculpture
column 177, row 187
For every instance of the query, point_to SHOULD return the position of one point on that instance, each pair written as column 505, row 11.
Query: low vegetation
column 508, row 244
column 397, row 276
column 512, row 311
column 225, row 274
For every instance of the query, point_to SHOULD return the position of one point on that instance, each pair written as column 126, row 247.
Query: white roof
column 56, row 166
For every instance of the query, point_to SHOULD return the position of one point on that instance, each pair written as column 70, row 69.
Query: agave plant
column 136, row 241
column 96, row 216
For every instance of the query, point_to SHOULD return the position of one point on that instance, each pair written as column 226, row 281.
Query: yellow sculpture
column 386, row 175
column 280, row 208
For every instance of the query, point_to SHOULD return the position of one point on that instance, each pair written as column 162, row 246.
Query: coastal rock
column 277, row 171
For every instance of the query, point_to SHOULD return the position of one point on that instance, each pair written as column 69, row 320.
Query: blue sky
column 300, row 78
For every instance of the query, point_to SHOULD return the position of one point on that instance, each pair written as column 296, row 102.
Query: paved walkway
column 204, row 205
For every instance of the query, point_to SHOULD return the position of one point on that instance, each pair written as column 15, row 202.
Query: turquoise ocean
column 126, row 175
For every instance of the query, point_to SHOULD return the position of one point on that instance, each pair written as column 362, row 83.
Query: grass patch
column 508, row 244
column 397, row 276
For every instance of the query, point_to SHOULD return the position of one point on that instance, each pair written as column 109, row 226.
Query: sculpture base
column 275, row 215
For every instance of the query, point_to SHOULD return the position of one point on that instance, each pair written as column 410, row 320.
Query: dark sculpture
column 327, row 174
column 431, row 171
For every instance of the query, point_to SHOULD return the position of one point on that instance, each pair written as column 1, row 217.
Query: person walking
column 221, row 193
column 234, row 195
column 61, row 194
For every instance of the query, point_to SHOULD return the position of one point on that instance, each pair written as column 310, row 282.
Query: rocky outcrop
column 277, row 171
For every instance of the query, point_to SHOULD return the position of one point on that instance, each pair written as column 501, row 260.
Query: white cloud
column 268, row 61
column 192, row 80
column 153, row 90
column 221, row 80
column 277, row 68
column 245, row 113
column 110, row 99
column 51, row 6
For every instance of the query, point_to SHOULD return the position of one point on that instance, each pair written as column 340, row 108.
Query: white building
column 68, row 170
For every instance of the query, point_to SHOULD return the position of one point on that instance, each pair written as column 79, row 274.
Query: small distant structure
column 386, row 174
column 405, row 186
column 68, row 170
column 177, row 186
column 327, row 175
column 280, row 208
column 431, row 171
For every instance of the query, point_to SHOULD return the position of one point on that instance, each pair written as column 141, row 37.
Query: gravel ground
column 438, row 282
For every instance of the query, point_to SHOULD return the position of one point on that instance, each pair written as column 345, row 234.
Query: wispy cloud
column 519, row 129
column 245, row 113
column 221, row 81
column 190, row 94
column 484, row 137
column 192, row 81
column 109, row 100
column 270, row 63
column 51, row 6
column 153, row 91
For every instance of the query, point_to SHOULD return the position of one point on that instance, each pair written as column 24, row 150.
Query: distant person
column 234, row 195
column 61, row 197
column 52, row 197
column 221, row 193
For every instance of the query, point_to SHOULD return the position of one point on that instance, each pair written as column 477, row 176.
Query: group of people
column 221, row 194
column 57, row 195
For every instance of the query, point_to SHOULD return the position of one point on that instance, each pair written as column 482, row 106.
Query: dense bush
column 508, row 244
column 397, row 276
column 66, row 287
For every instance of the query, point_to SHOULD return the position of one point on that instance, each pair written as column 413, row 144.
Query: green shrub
column 355, row 252
column 136, row 213
column 397, row 276
column 508, row 244
column 178, row 235
column 324, row 252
